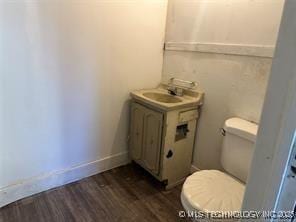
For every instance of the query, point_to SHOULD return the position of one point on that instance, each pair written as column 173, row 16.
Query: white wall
column 271, row 186
column 66, row 70
column 234, row 85
column 224, row 21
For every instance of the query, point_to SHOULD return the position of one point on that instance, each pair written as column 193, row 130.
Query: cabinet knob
column 170, row 154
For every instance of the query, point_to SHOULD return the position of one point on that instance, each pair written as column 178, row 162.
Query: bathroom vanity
column 162, row 132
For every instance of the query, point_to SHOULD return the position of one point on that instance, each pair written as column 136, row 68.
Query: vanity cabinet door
column 137, row 123
column 152, row 140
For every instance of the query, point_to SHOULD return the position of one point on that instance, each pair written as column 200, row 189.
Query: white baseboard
column 48, row 181
column 194, row 169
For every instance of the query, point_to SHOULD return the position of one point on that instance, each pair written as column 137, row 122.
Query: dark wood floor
column 126, row 193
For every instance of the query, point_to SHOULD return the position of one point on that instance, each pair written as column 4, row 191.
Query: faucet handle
column 179, row 91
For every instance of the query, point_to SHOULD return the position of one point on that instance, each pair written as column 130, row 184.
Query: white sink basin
column 160, row 97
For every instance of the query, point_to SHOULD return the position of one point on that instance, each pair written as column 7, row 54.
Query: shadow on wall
column 92, row 105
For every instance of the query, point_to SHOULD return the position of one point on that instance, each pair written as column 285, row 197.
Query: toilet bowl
column 213, row 194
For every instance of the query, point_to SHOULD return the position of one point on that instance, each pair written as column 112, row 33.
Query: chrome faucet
column 178, row 89
column 175, row 91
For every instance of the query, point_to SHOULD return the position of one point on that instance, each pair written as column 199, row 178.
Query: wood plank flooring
column 126, row 193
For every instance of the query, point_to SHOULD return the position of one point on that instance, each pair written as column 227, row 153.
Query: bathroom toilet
column 216, row 191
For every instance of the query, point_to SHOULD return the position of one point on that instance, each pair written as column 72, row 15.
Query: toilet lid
column 213, row 190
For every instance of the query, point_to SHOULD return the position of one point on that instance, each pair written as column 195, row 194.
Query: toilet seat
column 212, row 190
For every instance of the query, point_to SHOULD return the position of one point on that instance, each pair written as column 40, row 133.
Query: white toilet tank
column 238, row 146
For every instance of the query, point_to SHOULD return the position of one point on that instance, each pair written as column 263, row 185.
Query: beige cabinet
column 137, row 123
column 146, row 130
column 152, row 140
column 162, row 141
